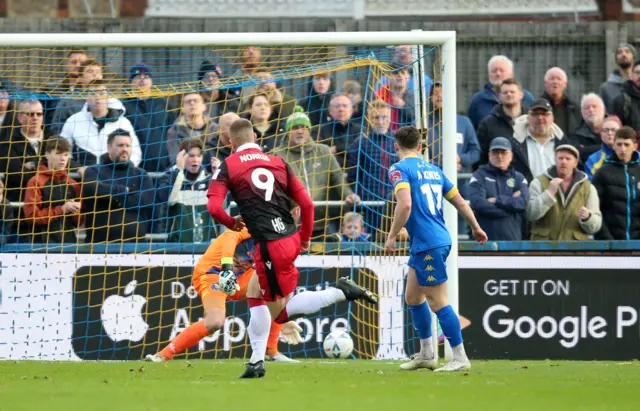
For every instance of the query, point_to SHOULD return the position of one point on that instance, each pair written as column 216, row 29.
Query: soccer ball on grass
column 338, row 344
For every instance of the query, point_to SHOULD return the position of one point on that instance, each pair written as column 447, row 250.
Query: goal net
column 107, row 150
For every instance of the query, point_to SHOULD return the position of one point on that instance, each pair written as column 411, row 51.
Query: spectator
column 4, row 102
column 52, row 200
column 150, row 117
column 250, row 61
column 88, row 129
column 535, row 137
column 483, row 102
column 265, row 127
column 502, row 119
column 282, row 105
column 339, row 133
column 69, row 83
column 563, row 205
column 403, row 57
column 352, row 90
column 216, row 100
column 498, row 194
column 399, row 97
column 192, row 122
column 75, row 59
column 316, row 168
column 90, row 71
column 7, row 215
column 371, row 155
column 352, row 229
column 610, row 89
column 587, row 136
column 116, row 195
column 219, row 147
column 617, row 183
column 608, row 132
column 565, row 112
column 317, row 103
column 184, row 189
column 627, row 104
column 468, row 147
column 20, row 153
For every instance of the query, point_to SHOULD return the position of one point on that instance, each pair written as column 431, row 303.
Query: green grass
column 317, row 385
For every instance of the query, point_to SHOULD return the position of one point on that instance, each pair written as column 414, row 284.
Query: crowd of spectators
column 116, row 170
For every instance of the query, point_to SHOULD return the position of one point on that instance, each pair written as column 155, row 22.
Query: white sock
column 426, row 348
column 309, row 302
column 459, row 353
column 258, row 329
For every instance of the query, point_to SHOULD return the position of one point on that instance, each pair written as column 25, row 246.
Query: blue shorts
column 431, row 265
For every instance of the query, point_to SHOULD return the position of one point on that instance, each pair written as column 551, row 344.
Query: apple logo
column 122, row 316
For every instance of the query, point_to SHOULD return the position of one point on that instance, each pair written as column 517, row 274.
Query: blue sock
column 450, row 324
column 421, row 316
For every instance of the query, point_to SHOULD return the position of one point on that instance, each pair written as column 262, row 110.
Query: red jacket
column 46, row 188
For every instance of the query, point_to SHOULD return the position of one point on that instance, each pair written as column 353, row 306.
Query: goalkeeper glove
column 227, row 282
column 291, row 333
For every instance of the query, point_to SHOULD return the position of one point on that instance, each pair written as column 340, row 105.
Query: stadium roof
column 480, row 8
column 371, row 8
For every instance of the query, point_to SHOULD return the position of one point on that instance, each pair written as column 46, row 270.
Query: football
column 338, row 344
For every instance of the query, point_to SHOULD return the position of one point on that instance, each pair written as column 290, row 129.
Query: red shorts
column 275, row 266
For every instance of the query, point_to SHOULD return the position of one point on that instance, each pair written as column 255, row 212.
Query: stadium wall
column 63, row 306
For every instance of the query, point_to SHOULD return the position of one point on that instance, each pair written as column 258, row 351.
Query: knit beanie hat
column 298, row 118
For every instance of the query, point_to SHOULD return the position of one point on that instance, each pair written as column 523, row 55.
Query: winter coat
column 319, row 172
column 587, row 141
column 519, row 145
column 611, row 89
column 88, row 137
column 596, row 160
column 340, row 136
column 368, row 162
column 502, row 220
column 468, row 147
column 619, row 191
column 186, row 196
column 181, row 130
column 497, row 124
column 46, row 193
column 627, row 105
column 317, row 108
column 556, row 218
column 117, row 201
column 483, row 102
column 69, row 106
column 567, row 114
column 151, row 119
column 14, row 154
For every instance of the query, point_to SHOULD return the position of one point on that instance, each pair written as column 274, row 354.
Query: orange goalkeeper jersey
column 236, row 244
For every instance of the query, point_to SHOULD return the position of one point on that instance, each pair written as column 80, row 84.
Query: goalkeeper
column 230, row 255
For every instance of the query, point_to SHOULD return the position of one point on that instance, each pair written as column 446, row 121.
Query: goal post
column 391, row 342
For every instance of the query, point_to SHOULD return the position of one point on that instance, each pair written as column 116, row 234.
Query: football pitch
column 317, row 385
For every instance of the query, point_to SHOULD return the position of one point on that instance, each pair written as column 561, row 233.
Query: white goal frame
column 446, row 39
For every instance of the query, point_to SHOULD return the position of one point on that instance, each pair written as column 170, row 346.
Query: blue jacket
column 368, row 162
column 483, row 102
column 504, row 219
column 468, row 149
column 596, row 160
